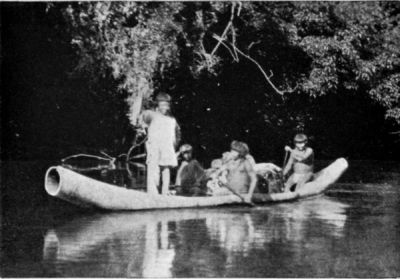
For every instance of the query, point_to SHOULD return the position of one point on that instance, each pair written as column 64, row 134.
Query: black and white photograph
column 199, row 139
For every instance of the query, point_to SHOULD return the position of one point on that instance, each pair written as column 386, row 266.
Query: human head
column 226, row 156
column 239, row 149
column 186, row 151
column 163, row 103
column 300, row 141
column 216, row 163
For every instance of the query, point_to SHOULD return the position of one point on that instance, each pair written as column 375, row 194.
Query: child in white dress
column 163, row 135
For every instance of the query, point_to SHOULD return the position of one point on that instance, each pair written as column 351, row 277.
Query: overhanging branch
column 267, row 78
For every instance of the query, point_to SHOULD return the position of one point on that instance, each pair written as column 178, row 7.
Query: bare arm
column 253, row 179
column 251, row 160
column 303, row 156
column 289, row 165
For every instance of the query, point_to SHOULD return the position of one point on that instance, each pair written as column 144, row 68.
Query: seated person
column 241, row 177
column 190, row 178
column 218, row 172
column 301, row 161
column 218, row 177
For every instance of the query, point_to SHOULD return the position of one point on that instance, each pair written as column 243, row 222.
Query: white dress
column 161, row 140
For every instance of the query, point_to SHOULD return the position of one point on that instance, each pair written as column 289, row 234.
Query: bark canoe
column 83, row 191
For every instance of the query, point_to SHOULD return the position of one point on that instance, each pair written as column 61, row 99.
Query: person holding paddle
column 301, row 161
column 241, row 179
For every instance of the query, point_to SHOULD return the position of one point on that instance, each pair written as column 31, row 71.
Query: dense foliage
column 346, row 46
column 255, row 71
column 132, row 40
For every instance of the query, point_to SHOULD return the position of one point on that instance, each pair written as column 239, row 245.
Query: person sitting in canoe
column 190, row 178
column 218, row 172
column 163, row 136
column 301, row 161
column 241, row 178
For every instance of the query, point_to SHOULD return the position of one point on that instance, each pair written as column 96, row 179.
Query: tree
column 305, row 51
column 354, row 47
column 131, row 40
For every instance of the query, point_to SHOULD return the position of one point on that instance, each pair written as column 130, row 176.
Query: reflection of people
column 191, row 175
column 197, row 254
column 238, row 233
column 163, row 135
column 301, row 161
column 158, row 256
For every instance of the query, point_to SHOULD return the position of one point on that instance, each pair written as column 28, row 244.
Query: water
column 352, row 231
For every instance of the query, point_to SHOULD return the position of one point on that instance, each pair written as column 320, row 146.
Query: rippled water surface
column 352, row 231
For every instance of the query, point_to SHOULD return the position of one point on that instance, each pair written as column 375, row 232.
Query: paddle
column 283, row 166
column 239, row 195
column 285, row 159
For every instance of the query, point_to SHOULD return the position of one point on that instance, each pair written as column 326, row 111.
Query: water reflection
column 190, row 243
column 159, row 250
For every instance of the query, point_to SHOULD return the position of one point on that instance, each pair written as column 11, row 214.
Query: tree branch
column 252, row 44
column 108, row 156
column 235, row 58
column 234, row 42
column 86, row 155
column 128, row 155
column 218, row 38
column 226, row 28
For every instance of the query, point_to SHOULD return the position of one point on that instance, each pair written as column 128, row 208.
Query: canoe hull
column 87, row 192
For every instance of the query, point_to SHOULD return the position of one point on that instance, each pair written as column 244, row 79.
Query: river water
column 351, row 231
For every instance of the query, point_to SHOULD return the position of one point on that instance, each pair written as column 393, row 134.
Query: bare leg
column 303, row 180
column 153, row 177
column 165, row 172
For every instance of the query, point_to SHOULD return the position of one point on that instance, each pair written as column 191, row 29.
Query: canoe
column 83, row 191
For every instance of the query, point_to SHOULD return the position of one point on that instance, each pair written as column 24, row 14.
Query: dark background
column 47, row 112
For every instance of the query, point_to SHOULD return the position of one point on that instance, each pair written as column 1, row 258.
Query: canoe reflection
column 190, row 243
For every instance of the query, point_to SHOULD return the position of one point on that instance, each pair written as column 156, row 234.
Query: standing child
column 163, row 135
column 301, row 161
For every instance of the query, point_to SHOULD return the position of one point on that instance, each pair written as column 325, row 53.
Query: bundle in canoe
column 87, row 192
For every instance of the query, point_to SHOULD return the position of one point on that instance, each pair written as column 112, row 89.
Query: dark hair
column 300, row 138
column 186, row 148
column 163, row 97
column 240, row 147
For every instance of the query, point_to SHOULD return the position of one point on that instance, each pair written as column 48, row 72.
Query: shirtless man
column 241, row 177
column 301, row 161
